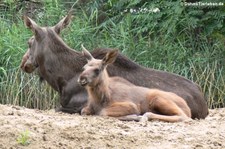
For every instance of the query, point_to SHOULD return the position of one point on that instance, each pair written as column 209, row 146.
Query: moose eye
column 97, row 71
column 29, row 45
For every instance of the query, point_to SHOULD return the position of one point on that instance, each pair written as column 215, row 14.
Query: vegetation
column 165, row 35
column 23, row 138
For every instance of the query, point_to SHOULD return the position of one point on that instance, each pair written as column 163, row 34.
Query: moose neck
column 61, row 55
column 100, row 91
column 57, row 42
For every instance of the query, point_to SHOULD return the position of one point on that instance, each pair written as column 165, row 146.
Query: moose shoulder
column 60, row 65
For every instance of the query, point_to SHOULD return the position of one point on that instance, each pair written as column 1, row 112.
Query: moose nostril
column 82, row 80
column 28, row 68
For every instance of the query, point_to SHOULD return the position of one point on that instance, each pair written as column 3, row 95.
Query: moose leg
column 169, row 111
column 165, row 118
column 132, row 117
column 87, row 110
column 126, row 111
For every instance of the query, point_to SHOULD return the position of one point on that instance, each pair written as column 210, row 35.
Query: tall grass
column 170, row 45
column 26, row 90
column 211, row 79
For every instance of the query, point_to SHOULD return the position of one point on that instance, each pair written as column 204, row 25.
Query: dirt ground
column 50, row 130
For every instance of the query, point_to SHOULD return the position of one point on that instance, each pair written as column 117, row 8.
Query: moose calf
column 117, row 97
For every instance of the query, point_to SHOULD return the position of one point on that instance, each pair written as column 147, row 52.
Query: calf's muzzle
column 82, row 80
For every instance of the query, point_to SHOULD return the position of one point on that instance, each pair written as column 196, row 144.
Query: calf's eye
column 97, row 71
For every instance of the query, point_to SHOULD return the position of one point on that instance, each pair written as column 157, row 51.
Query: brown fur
column 116, row 97
column 60, row 65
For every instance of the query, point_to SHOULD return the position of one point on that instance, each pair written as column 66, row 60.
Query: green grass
column 170, row 45
column 23, row 138
column 22, row 89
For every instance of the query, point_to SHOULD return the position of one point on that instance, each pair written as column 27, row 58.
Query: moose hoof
column 144, row 118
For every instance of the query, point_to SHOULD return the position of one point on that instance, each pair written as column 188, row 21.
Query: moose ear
column 63, row 23
column 29, row 23
column 32, row 25
column 110, row 57
column 86, row 53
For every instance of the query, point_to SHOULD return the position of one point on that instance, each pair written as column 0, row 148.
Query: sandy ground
column 50, row 130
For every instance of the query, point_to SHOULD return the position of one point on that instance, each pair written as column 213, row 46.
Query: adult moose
column 117, row 97
column 60, row 66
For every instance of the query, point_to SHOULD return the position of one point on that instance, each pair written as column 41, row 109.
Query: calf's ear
column 63, row 23
column 110, row 57
column 86, row 53
column 33, row 26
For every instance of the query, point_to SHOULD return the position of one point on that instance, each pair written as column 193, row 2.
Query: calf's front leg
column 87, row 110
